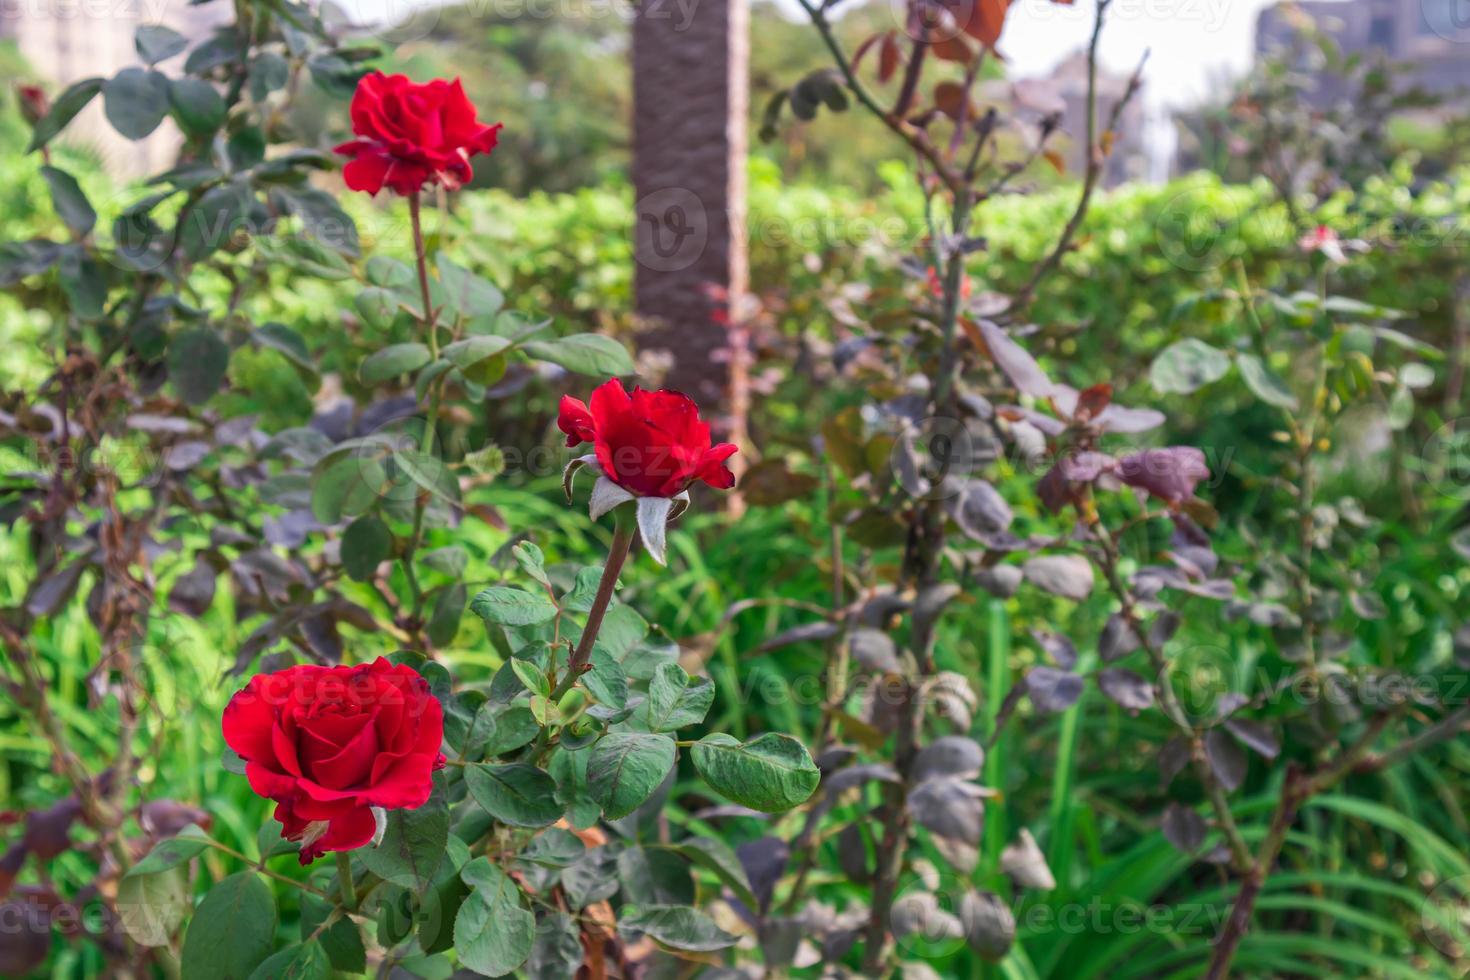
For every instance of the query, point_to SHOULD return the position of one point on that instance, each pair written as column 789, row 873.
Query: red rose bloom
column 650, row 443
column 411, row 135
column 329, row 743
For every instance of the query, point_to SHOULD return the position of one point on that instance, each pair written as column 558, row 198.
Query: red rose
column 650, row 443
column 412, row 135
column 329, row 743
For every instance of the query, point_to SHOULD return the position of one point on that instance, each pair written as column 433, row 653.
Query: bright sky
column 1194, row 45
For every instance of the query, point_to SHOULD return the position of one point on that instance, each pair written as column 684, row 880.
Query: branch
column 1297, row 790
column 1169, row 701
column 1094, row 163
column 915, row 138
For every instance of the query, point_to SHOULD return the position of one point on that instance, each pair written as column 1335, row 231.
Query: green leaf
column 197, row 362
column 1264, row 384
column 429, row 472
column 584, row 353
column 71, row 204
column 622, row 630
column 157, row 43
column 135, row 101
column 197, row 105
column 501, row 605
column 305, row 255
column 531, row 560
column 532, row 676
column 378, row 306
column 212, row 221
column 717, row 856
column 771, row 773
column 288, row 343
column 63, row 111
column 84, row 283
column 392, row 361
column 413, row 843
column 301, row 961
column 468, row 294
column 342, row 940
column 388, row 273
column 557, row 952
column 346, row 484
column 514, row 727
column 1188, row 365
column 625, row 768
column 495, row 929
column 232, row 930
column 269, row 843
column 441, row 903
column 171, row 853
column 366, row 544
column 606, row 681
column 655, row 876
column 675, row 926
column 152, row 906
column 580, row 596
column 517, row 794
column 450, row 559
column 443, row 624
column 556, row 848
column 674, row 701
column 245, row 147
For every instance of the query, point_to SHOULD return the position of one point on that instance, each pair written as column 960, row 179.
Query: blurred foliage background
column 831, row 215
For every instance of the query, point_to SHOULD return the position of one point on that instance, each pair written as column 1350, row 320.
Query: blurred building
column 1128, row 159
column 64, row 41
column 1429, row 38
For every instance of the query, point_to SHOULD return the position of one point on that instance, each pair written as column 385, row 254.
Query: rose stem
column 622, row 541
column 418, row 252
column 430, row 322
column 344, row 876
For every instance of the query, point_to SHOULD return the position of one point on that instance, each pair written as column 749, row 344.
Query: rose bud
column 649, row 446
column 33, row 103
column 335, row 747
column 410, row 135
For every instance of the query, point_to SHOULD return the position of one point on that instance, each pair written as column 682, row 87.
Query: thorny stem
column 429, row 320
column 617, row 554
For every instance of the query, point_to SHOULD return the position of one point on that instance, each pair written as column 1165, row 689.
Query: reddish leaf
column 949, row 98
column 862, row 49
column 981, row 19
column 1092, row 401
column 889, row 57
column 953, row 49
